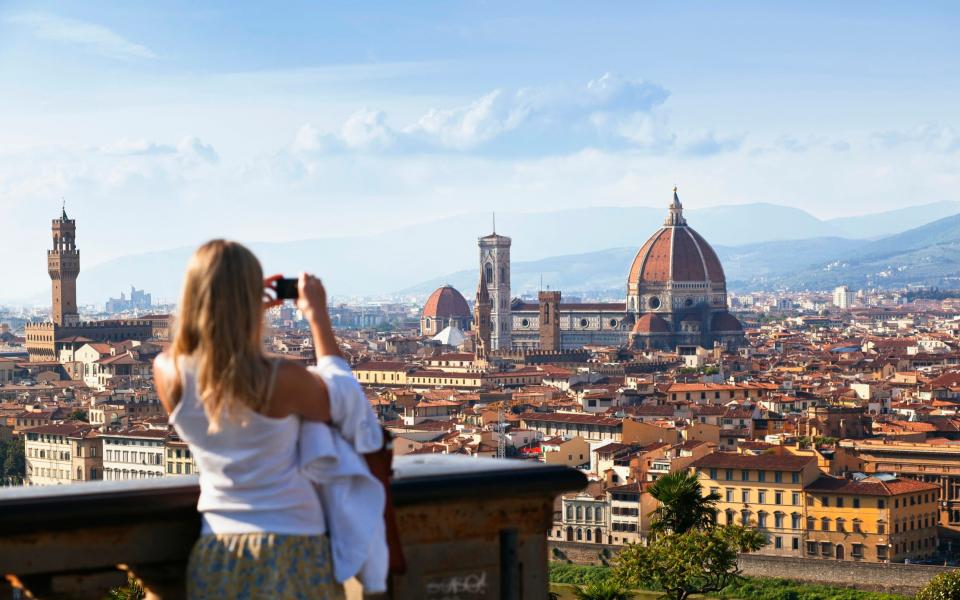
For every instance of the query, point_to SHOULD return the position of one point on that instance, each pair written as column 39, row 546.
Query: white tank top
column 250, row 480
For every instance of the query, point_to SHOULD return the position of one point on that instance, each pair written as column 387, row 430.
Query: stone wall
column 580, row 553
column 893, row 578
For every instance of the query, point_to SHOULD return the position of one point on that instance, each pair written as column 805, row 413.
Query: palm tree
column 607, row 589
column 682, row 504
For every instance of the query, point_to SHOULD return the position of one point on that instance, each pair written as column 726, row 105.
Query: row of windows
column 180, row 453
column 120, row 474
column 779, row 519
column 145, row 458
column 762, row 496
column 591, row 513
column 128, row 442
column 48, row 454
column 181, row 468
column 761, row 476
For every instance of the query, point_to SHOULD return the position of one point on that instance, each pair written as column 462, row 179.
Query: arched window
column 579, row 535
column 589, row 536
column 589, row 512
column 569, row 534
column 761, row 519
column 489, row 270
column 731, row 516
column 598, row 513
column 569, row 512
column 824, row 524
column 744, row 517
column 841, row 525
column 795, row 521
column 778, row 520
column 579, row 512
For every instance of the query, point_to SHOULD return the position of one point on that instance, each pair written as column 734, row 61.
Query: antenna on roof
column 494, row 222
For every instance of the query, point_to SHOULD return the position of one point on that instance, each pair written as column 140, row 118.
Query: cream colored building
column 134, row 454
column 49, row 452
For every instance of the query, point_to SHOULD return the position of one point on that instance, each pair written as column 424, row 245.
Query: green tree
column 78, row 415
column 699, row 561
column 682, row 504
column 945, row 586
column 603, row 590
column 15, row 463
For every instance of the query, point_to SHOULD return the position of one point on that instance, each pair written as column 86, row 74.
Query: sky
column 162, row 124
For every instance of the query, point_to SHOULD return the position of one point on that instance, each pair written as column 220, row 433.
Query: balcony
column 460, row 519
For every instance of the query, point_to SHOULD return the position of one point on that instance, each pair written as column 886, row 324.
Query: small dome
column 446, row 303
column 724, row 321
column 651, row 323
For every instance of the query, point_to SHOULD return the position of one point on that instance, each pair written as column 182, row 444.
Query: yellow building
column 763, row 491
column 874, row 519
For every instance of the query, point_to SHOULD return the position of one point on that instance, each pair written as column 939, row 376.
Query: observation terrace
column 470, row 527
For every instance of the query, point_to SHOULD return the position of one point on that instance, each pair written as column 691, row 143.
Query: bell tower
column 495, row 264
column 481, row 318
column 63, row 264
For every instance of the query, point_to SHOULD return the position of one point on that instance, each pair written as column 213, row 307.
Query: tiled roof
column 870, row 486
column 768, row 462
column 446, row 302
column 570, row 418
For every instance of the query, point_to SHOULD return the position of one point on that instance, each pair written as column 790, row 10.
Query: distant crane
column 501, row 439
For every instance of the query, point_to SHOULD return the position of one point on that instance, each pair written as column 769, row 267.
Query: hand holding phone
column 277, row 289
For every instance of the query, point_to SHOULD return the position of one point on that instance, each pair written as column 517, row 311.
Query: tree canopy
column 698, row 561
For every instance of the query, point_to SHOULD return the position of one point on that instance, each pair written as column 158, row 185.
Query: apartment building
column 49, row 452
column 872, row 519
column 133, row 453
column 763, row 491
column 178, row 460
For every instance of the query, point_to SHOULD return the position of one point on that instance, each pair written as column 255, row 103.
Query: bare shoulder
column 165, row 377
column 296, row 391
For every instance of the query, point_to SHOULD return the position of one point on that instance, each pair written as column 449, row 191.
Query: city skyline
column 199, row 121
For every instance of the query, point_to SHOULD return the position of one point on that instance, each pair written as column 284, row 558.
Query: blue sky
column 164, row 124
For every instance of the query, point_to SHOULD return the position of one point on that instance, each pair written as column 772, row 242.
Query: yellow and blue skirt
column 262, row 565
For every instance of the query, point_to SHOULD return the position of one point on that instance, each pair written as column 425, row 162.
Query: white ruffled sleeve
column 350, row 411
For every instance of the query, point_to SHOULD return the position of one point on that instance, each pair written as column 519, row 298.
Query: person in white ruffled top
column 264, row 533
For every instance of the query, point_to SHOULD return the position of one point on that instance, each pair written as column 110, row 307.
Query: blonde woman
column 240, row 411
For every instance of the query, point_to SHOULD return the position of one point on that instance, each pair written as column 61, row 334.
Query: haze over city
column 168, row 124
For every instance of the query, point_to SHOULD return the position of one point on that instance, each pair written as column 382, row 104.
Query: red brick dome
column 651, row 323
column 445, row 303
column 676, row 253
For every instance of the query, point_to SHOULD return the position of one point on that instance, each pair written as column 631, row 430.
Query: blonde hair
column 220, row 324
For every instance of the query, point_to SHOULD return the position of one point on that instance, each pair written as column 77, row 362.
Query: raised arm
column 312, row 303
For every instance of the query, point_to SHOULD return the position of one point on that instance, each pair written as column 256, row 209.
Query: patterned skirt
column 262, row 565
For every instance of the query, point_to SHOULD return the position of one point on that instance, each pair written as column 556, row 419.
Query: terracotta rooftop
column 767, row 462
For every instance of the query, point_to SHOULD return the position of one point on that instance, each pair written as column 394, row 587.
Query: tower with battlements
column 63, row 265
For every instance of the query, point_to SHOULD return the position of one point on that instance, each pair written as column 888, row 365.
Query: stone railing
column 474, row 526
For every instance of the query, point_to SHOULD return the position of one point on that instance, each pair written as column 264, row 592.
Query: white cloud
column 932, row 137
column 367, row 129
column 468, row 126
column 90, row 36
column 192, row 147
column 141, row 147
column 610, row 111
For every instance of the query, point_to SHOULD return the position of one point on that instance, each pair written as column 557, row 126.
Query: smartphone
column 287, row 289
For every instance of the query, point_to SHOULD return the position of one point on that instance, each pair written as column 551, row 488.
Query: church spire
column 675, row 217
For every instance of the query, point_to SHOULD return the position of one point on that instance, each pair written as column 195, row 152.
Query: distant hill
column 583, row 249
column 927, row 255
column 882, row 224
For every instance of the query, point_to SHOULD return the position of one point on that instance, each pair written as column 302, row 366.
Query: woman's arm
column 165, row 381
column 312, row 303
